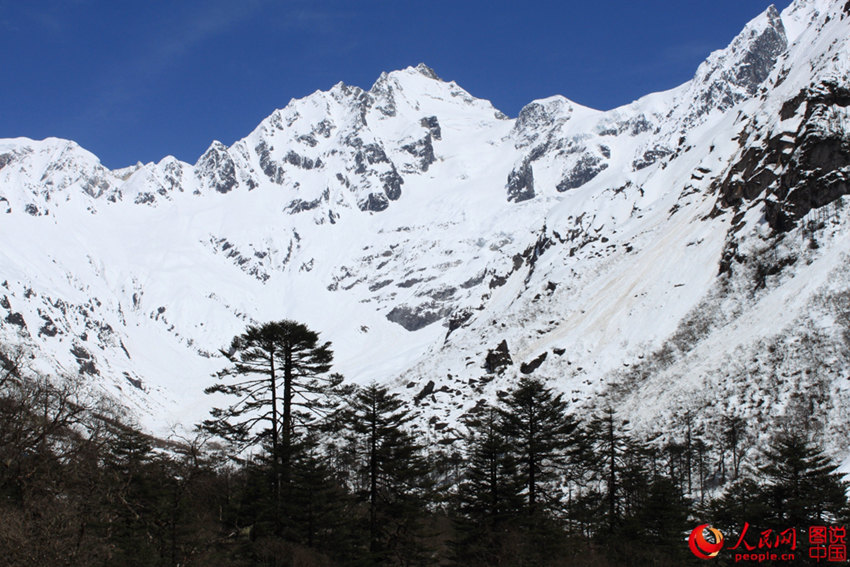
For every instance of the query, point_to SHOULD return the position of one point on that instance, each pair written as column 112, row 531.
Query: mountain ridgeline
column 683, row 255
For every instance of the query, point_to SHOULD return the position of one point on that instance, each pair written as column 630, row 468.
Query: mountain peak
column 427, row 71
column 404, row 76
column 770, row 18
column 733, row 74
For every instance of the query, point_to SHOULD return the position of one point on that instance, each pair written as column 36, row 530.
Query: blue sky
column 136, row 81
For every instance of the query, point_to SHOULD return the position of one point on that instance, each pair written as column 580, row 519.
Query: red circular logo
column 703, row 548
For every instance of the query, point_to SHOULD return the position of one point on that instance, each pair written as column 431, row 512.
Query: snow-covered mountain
column 683, row 254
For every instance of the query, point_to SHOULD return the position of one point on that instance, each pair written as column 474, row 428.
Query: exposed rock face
column 796, row 171
column 422, row 149
column 299, row 205
column 520, row 185
column 415, row 318
column 760, row 58
column 7, row 158
column 374, row 202
column 733, row 75
column 649, row 157
column 425, row 392
column 433, row 126
column 538, row 119
column 49, row 327
column 273, row 170
column 427, row 71
column 458, row 319
column 498, row 358
column 217, row 168
column 392, row 184
column 585, row 170
column 16, row 319
column 531, row 366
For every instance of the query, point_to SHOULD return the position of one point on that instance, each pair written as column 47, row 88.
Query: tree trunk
column 275, row 442
column 373, row 481
column 689, row 449
column 287, row 409
column 612, row 478
column 532, row 465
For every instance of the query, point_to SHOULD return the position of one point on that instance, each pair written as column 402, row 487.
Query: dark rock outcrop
column 433, row 126
column 7, row 158
column 419, row 317
column 521, row 183
column 529, row 367
column 650, row 156
column 422, row 149
column 498, row 359
column 424, row 392
column 217, row 168
column 375, row 202
column 299, row 205
column 392, row 184
column 588, row 167
column 458, row 319
column 724, row 82
column 795, row 171
column 272, row 169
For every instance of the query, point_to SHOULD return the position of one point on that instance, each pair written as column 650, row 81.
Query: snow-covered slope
column 660, row 256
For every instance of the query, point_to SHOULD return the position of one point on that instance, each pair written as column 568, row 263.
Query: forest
column 303, row 468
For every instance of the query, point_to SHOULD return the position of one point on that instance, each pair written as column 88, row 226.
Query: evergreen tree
column 620, row 465
column 734, row 437
column 801, row 485
column 639, row 499
column 741, row 502
column 490, row 489
column 796, row 486
column 136, row 498
column 651, row 507
column 662, row 516
column 543, row 434
column 489, row 493
column 275, row 370
column 321, row 507
column 392, row 478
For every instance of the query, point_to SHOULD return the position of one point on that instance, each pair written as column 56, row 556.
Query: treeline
column 300, row 469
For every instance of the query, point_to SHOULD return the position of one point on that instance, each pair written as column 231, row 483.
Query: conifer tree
column 801, row 485
column 321, row 507
column 795, row 487
column 734, row 436
column 607, row 443
column 649, row 506
column 537, row 423
column 489, row 493
column 279, row 374
column 392, row 473
column 740, row 502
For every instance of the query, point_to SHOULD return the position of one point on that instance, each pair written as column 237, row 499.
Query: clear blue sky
column 136, row 81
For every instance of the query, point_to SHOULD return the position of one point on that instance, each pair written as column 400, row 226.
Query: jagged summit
column 427, row 71
column 420, row 69
column 728, row 76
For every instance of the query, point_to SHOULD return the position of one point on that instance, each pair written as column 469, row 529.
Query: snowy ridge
column 645, row 255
